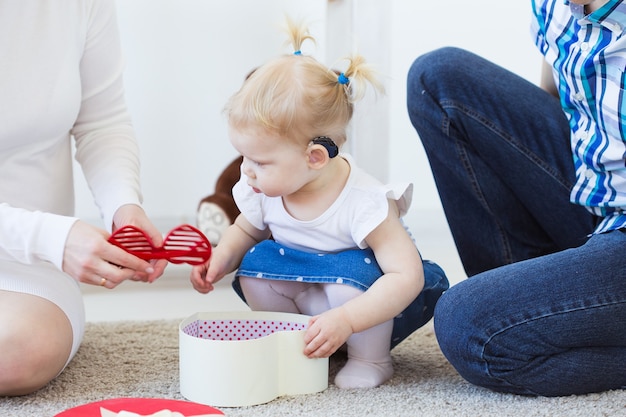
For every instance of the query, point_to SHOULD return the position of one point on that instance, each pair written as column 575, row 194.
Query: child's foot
column 362, row 374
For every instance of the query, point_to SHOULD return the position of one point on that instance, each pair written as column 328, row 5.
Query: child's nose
column 246, row 168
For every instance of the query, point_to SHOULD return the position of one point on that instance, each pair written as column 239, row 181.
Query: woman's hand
column 327, row 332
column 131, row 214
column 89, row 258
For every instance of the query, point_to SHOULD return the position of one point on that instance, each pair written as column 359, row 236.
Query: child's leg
column 313, row 300
column 268, row 295
column 369, row 358
column 284, row 296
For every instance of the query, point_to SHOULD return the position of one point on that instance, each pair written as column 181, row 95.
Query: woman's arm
column 105, row 138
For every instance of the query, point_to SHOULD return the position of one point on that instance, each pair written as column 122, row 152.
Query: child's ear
column 317, row 156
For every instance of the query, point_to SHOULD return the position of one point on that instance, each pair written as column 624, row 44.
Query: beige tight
column 369, row 359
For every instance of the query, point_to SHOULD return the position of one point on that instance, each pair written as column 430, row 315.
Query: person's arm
column 109, row 157
column 71, row 245
column 547, row 79
column 28, row 236
column 402, row 281
column 227, row 256
column 105, row 139
column 90, row 258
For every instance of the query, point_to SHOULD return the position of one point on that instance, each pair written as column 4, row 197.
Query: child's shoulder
column 364, row 181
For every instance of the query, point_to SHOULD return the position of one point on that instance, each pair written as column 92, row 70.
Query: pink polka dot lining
column 238, row 329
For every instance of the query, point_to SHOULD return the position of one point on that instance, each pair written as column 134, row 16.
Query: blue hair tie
column 298, row 52
column 342, row 79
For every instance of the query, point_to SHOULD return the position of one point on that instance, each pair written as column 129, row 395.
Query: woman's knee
column 35, row 347
column 22, row 374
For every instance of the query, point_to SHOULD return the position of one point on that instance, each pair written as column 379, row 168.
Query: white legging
column 372, row 344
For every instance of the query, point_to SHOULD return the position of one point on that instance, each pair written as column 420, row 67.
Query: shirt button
column 589, row 174
column 584, row 46
column 578, row 97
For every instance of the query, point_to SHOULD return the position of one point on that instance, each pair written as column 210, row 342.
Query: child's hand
column 198, row 278
column 327, row 332
column 205, row 276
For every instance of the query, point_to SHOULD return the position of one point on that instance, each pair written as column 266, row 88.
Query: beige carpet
column 140, row 359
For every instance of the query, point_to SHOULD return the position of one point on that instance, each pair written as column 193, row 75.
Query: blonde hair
column 298, row 97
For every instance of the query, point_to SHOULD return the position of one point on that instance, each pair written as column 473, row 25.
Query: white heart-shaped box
column 235, row 359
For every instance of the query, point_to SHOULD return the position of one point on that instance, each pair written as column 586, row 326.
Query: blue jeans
column 544, row 309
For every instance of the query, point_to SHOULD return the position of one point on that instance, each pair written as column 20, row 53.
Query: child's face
column 274, row 166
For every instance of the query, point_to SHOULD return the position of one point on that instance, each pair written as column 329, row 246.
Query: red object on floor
column 141, row 406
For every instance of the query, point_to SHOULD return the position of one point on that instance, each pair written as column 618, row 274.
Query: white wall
column 496, row 29
column 186, row 57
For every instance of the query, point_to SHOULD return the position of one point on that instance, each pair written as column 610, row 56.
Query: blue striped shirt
column 588, row 55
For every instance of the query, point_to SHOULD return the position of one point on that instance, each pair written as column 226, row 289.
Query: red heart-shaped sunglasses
column 183, row 244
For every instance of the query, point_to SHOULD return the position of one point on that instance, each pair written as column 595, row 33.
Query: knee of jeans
column 446, row 321
column 433, row 77
column 431, row 67
column 457, row 339
column 465, row 341
column 460, row 340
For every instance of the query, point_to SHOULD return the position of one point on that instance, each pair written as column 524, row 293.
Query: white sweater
column 60, row 77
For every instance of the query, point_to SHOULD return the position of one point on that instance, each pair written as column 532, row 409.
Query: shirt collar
column 612, row 15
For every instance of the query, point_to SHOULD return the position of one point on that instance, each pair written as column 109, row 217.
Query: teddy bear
column 217, row 211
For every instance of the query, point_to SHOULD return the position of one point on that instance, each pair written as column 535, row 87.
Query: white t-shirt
column 359, row 209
